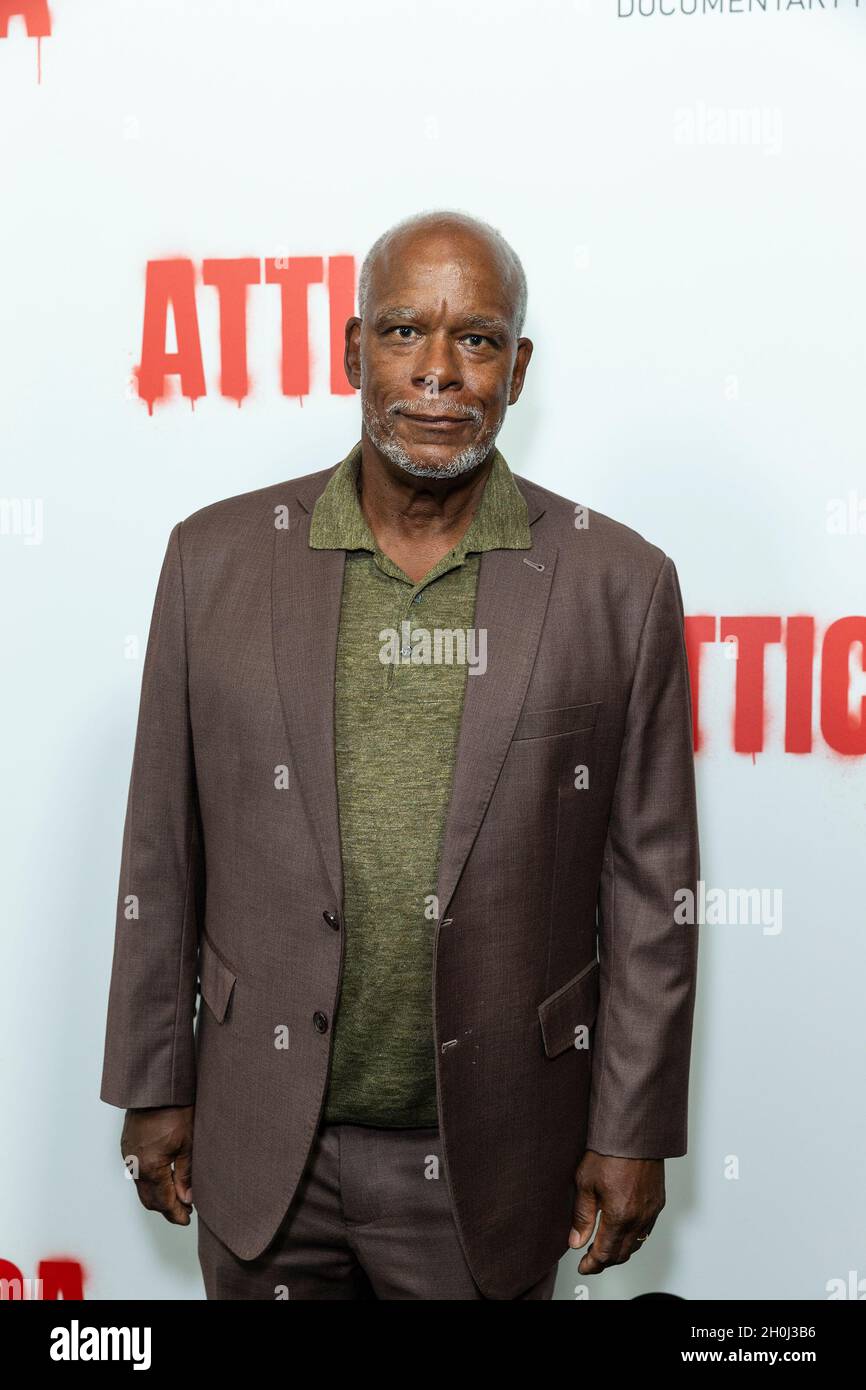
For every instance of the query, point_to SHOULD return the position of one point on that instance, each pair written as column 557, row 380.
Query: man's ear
column 352, row 354
column 521, row 362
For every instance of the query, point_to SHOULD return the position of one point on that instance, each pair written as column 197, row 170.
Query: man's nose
column 438, row 362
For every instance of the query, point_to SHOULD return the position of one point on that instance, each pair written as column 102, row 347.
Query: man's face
column 437, row 358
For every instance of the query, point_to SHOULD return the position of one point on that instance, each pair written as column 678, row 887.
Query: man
column 415, row 737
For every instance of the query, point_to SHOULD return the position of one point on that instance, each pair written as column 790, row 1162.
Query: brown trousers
column 371, row 1219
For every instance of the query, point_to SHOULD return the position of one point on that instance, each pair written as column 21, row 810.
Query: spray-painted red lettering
column 294, row 275
column 36, row 18
column 231, row 279
column 752, row 635
column 170, row 285
column 842, row 660
column 341, row 301
column 56, row 1277
column 800, row 647
column 843, row 730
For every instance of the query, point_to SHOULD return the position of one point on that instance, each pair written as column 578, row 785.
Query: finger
column 636, row 1244
column 183, row 1176
column 179, row 1215
column 605, row 1250
column 584, row 1217
column 156, row 1192
column 623, row 1244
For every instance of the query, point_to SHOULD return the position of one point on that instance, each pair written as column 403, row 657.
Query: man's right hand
column 155, row 1138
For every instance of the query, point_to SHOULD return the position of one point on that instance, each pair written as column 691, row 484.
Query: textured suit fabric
column 371, row 1220
column 556, row 897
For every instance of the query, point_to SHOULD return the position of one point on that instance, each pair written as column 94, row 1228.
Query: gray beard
column 467, row 458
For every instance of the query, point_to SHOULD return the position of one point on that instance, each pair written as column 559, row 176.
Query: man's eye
column 402, row 328
column 479, row 339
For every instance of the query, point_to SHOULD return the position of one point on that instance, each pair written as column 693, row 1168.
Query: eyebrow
column 476, row 322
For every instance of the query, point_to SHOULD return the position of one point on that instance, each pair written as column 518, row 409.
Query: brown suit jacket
column 228, row 877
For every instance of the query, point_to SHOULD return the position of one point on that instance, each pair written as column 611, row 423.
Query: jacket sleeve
column 149, row 1054
column 647, row 957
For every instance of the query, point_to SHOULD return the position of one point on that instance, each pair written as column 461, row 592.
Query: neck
column 403, row 508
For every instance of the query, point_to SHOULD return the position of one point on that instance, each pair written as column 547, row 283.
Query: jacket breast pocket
column 547, row 723
column 575, row 1003
column 217, row 979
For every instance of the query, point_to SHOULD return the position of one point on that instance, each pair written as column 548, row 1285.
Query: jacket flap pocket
column 569, row 719
column 217, row 980
column 574, row 1003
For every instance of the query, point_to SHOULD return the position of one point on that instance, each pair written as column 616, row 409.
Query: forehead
column 424, row 266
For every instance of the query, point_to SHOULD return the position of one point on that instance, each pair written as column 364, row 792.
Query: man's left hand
column 630, row 1192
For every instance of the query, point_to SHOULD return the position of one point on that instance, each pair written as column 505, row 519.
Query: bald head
column 470, row 237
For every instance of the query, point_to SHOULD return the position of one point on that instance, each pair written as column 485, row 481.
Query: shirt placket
column 409, row 596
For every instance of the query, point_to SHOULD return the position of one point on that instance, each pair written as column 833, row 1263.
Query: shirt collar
column 500, row 520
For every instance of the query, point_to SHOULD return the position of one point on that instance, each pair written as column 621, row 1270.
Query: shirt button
column 320, row 1021
column 417, row 598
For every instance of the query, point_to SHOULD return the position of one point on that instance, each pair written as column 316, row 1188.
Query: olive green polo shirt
column 398, row 703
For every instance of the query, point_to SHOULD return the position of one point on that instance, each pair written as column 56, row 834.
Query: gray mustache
column 428, row 408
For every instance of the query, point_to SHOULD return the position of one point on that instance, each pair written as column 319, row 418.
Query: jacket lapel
column 510, row 605
column 511, row 601
column 306, row 595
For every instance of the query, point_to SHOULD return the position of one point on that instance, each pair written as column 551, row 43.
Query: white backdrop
column 686, row 193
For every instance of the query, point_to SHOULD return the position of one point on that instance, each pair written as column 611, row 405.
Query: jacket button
column 332, row 920
column 321, row 1021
